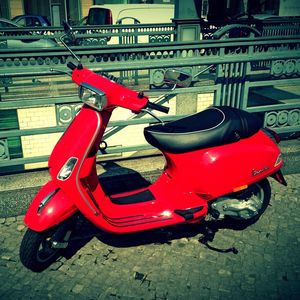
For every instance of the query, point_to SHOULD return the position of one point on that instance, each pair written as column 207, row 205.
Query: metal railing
column 234, row 74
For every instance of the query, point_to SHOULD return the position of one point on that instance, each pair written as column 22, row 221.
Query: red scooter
column 217, row 164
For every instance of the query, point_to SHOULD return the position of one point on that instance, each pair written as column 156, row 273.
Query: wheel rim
column 45, row 251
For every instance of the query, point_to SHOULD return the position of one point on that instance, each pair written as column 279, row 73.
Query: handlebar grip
column 71, row 66
column 158, row 107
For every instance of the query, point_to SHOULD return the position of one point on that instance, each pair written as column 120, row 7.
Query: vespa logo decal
column 256, row 172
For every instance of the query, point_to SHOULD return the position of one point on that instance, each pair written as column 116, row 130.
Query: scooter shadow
column 88, row 231
column 205, row 231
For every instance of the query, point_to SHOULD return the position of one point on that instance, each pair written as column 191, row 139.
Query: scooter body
column 217, row 162
column 190, row 180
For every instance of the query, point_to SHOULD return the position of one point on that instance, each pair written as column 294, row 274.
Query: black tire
column 260, row 190
column 36, row 252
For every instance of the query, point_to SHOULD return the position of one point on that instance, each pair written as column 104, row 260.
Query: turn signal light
column 67, row 169
column 240, row 188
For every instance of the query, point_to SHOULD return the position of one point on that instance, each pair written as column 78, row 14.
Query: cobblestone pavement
column 169, row 264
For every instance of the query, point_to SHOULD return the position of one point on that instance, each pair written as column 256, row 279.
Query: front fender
column 49, row 208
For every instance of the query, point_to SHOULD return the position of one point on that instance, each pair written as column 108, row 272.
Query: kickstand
column 208, row 236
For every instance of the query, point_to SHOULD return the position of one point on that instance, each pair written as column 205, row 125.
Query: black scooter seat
column 215, row 126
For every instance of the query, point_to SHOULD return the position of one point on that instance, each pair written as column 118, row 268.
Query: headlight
column 92, row 96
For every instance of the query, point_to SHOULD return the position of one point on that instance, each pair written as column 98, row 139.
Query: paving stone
column 55, row 266
column 21, row 227
column 20, row 219
column 10, row 220
column 77, row 288
column 266, row 267
column 6, row 257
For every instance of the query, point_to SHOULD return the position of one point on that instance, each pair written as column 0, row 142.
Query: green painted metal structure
column 260, row 74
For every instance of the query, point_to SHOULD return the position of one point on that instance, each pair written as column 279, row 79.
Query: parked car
column 130, row 14
column 5, row 23
column 31, row 20
column 25, row 43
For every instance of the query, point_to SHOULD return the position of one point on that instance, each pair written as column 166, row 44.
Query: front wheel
column 36, row 252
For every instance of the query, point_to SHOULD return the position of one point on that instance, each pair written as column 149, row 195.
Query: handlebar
column 71, row 66
column 158, row 107
column 150, row 105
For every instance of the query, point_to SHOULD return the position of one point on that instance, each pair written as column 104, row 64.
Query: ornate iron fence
column 256, row 74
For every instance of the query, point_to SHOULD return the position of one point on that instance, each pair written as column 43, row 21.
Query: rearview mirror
column 178, row 78
column 68, row 31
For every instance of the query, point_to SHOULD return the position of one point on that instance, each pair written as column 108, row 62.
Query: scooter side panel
column 49, row 207
column 216, row 171
column 159, row 210
column 81, row 141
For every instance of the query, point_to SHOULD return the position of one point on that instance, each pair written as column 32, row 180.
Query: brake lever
column 60, row 71
column 153, row 115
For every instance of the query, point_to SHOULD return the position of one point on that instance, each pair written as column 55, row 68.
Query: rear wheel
column 243, row 208
column 36, row 251
column 254, row 201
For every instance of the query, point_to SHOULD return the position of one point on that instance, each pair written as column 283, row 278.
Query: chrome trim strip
column 46, row 200
column 96, row 213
